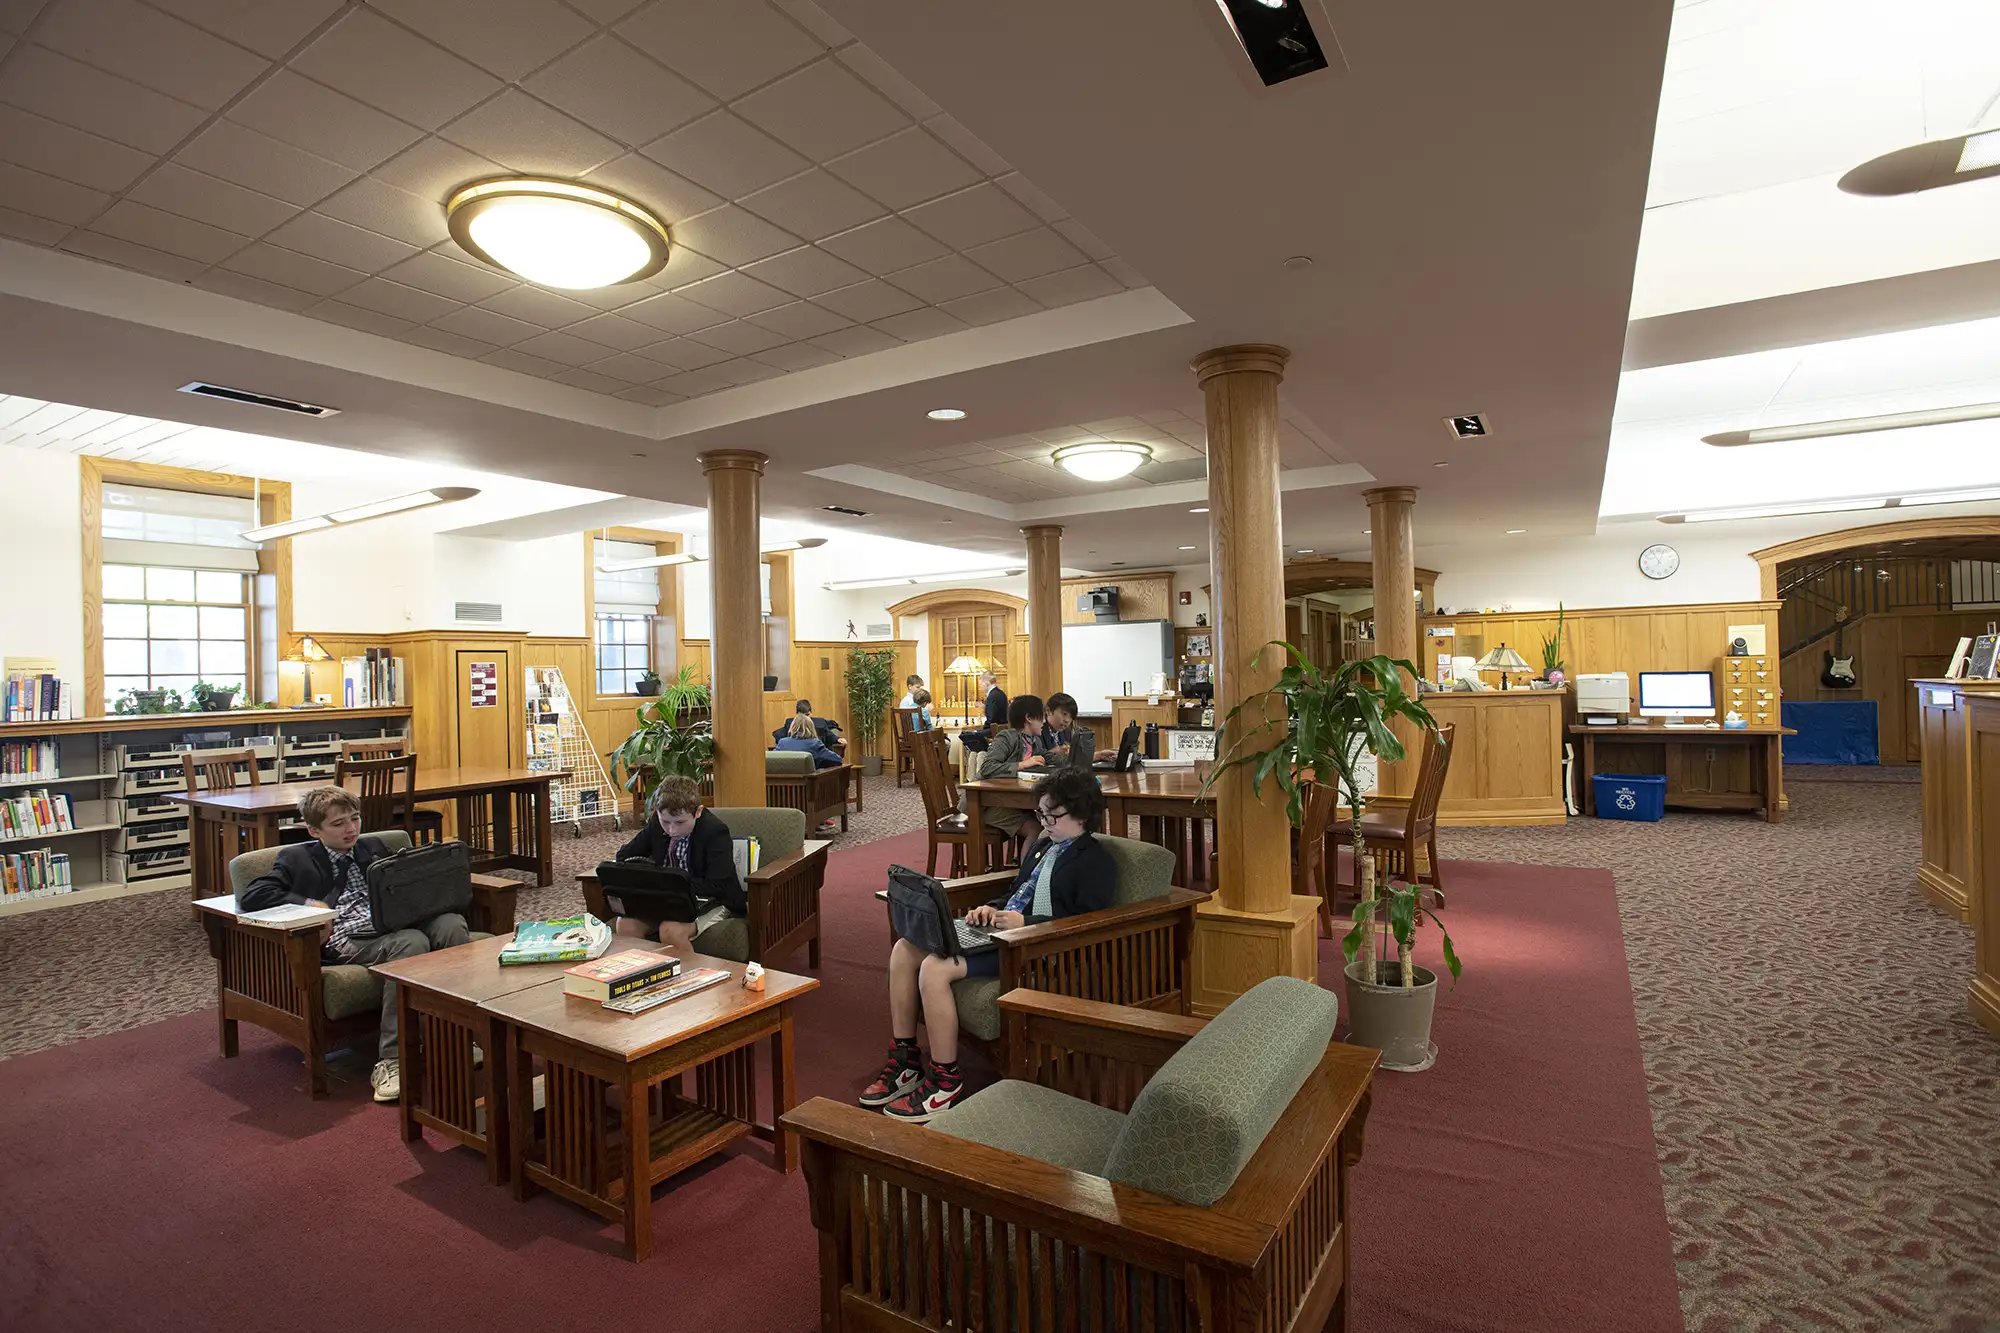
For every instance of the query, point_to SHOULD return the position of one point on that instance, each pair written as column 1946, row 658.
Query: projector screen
column 1099, row 659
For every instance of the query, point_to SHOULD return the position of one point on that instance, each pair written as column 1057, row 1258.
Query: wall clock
column 1659, row 561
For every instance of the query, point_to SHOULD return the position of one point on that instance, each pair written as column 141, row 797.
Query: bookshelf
column 117, row 772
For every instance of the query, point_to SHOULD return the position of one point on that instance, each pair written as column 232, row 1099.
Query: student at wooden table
column 1066, row 741
column 913, row 684
column 1015, row 750
column 682, row 834
column 920, row 700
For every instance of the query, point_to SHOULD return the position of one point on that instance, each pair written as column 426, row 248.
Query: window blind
column 146, row 525
column 632, row 591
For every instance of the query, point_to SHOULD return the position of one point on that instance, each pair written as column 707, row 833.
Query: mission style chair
column 793, row 781
column 783, row 890
column 425, row 825
column 906, row 736
column 944, row 824
column 272, row 975
column 1137, row 1170
column 1395, row 828
column 217, row 770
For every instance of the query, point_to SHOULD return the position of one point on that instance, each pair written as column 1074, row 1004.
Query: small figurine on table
column 753, row 976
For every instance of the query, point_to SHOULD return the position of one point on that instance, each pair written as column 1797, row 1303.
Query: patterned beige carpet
column 1827, row 1114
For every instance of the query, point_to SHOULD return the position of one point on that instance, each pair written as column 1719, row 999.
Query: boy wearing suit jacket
column 681, row 834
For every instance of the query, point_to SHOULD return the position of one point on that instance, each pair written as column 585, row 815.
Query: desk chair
column 906, row 734
column 1394, row 828
column 385, row 803
column 216, row 770
column 426, row 825
column 944, row 824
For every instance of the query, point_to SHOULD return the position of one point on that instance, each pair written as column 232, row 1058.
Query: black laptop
column 1128, row 753
column 654, row 893
column 920, row 912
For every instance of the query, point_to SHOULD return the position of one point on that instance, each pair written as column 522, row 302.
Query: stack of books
column 567, row 939
column 38, row 874
column 29, row 759
column 636, row 980
column 36, row 697
column 36, row 812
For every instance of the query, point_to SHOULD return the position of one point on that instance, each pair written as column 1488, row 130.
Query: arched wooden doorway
column 1329, row 635
column 966, row 622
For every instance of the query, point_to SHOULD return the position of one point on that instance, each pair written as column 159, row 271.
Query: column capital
column 1257, row 358
column 1042, row 529
column 1390, row 495
column 720, row 460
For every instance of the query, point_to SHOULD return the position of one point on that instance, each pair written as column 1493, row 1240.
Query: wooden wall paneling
column 1890, row 649
column 1147, row 595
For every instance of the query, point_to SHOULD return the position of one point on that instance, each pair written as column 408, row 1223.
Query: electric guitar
column 1839, row 672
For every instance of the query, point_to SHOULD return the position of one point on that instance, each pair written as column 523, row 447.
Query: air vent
column 1471, row 426
column 843, row 509
column 881, row 631
column 1277, row 36
column 483, row 613
column 258, row 400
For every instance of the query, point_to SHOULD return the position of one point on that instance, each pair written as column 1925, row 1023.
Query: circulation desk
column 1726, row 768
column 1506, row 762
column 1944, row 871
column 1982, row 744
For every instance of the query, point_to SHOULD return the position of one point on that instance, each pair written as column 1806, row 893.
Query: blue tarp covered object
column 1838, row 731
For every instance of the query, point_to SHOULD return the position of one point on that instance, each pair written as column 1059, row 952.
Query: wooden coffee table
column 596, row 1062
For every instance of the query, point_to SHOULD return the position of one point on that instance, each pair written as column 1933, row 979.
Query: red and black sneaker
column 901, row 1073
column 934, row 1096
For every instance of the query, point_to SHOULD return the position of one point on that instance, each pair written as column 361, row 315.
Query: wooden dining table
column 503, row 818
column 1167, row 801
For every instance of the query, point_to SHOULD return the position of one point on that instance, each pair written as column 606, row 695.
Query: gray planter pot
column 1395, row 1021
column 871, row 765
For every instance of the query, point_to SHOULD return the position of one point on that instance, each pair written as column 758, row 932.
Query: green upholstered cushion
column 245, row 868
column 727, row 938
column 978, row 1001
column 1145, row 870
column 788, row 761
column 1037, row 1122
column 348, row 989
column 1207, row 1110
column 779, row 832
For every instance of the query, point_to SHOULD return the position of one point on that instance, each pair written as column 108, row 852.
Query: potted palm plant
column 664, row 744
column 871, row 688
column 1330, row 720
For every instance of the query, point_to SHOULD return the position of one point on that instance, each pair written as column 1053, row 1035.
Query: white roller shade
column 239, row 559
column 182, row 518
column 632, row 591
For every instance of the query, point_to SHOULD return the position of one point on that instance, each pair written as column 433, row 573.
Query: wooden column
column 1044, row 609
column 1393, row 550
column 736, row 639
column 1254, row 927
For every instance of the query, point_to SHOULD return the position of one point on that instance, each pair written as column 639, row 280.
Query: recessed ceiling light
column 945, row 414
column 1515, row 532
column 1272, row 4
column 1298, row 261
column 1187, row 548
column 1305, row 550
column 1199, row 509
column 1102, row 460
column 557, row 233
column 1440, row 465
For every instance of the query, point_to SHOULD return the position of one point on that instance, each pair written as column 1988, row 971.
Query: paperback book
column 568, row 939
column 693, row 980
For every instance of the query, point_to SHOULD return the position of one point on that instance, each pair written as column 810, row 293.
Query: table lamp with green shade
column 1503, row 660
column 308, row 652
column 964, row 666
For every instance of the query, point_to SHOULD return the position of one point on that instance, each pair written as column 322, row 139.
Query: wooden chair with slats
column 217, row 770
column 385, row 801
column 906, row 733
column 1396, row 829
column 427, row 826
column 944, row 825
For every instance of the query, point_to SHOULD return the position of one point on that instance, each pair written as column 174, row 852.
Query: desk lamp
column 309, row 652
column 963, row 667
column 1503, row 660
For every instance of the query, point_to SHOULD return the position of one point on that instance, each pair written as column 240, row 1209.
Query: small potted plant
column 648, row 684
column 1552, row 652
column 135, row 700
column 871, row 688
column 662, row 746
column 213, row 698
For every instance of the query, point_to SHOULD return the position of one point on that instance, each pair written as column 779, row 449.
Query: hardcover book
column 568, row 939
column 620, row 974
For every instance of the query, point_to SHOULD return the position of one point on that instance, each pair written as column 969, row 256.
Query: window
column 624, row 650
column 165, row 627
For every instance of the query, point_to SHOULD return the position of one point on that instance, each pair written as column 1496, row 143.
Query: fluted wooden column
column 736, row 639
column 1254, row 927
column 1045, row 662
column 1393, row 548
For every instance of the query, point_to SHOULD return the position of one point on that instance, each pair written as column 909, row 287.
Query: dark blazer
column 1081, row 740
column 828, row 729
column 1083, row 880
column 996, row 707
column 711, row 859
column 303, row 873
column 815, row 747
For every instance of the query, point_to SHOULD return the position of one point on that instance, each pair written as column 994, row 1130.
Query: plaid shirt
column 352, row 915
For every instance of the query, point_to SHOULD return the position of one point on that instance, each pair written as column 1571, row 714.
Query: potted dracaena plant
column 871, row 688
column 672, row 739
column 1552, row 652
column 1329, row 720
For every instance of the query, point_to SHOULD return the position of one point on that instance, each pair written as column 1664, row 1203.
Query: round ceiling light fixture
column 946, row 414
column 557, row 233
column 1102, row 460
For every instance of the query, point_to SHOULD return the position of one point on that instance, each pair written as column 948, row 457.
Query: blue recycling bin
column 1637, row 796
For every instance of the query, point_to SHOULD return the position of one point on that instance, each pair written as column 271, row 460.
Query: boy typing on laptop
column 683, row 836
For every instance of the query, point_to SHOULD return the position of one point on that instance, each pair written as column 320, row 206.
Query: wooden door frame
column 1827, row 543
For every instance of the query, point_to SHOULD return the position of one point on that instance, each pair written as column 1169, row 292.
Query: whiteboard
column 1099, row 659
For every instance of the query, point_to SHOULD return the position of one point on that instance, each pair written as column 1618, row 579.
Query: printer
column 1605, row 699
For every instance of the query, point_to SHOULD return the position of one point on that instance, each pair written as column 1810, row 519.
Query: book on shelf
column 693, row 979
column 567, row 939
column 36, row 696
column 376, row 679
column 37, row 811
column 30, row 759
column 36, row 874
column 617, row 975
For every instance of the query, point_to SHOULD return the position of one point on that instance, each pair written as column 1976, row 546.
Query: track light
column 396, row 504
column 1813, row 430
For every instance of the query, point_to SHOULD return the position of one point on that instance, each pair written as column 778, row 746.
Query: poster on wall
column 485, row 684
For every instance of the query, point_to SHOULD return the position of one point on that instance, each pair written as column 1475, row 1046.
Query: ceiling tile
column 905, row 169
column 797, row 356
column 671, row 314
column 816, row 21
column 46, row 197
column 605, row 11
column 945, row 279
column 367, row 57
column 322, row 121
column 486, row 326
column 141, row 225
column 822, row 110
column 613, row 88
column 151, row 48
column 447, row 277
column 991, row 307
column 972, row 216
column 52, row 85
column 141, row 257
column 67, row 154
column 968, row 145
column 450, row 343
column 687, row 354
column 693, row 383
column 392, row 212
column 288, row 268
column 813, row 204
column 733, row 236
column 916, row 325
column 1122, row 271
column 737, row 336
column 726, row 46
column 506, row 37
column 629, row 369
column 729, row 156
column 591, row 380
column 354, row 317
column 1031, row 198
column 744, row 370
column 1083, row 238
column 435, row 168
column 393, row 298
column 800, row 319
column 1085, row 282
column 194, row 194
column 1028, row 255
column 651, row 397
column 806, row 271
column 868, row 301
column 258, row 162
column 266, row 28
column 884, row 245
column 601, row 299
column 519, row 132
column 667, row 194
column 524, row 362
column 563, row 348
column 684, row 265
column 246, row 288
column 615, row 332
column 884, row 79
column 540, row 306
column 735, row 294
column 340, row 243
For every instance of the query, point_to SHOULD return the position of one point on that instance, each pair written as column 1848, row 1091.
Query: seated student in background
column 799, row 735
column 824, row 727
column 1066, row 741
column 681, row 834
column 331, row 870
column 926, row 718
column 996, row 700
column 912, row 685
column 1012, row 751
column 1066, row 873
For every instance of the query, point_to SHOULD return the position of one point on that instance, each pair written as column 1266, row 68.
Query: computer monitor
column 1676, row 694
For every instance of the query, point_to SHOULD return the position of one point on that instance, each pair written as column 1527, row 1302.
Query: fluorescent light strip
column 1949, row 497
column 802, row 544
column 398, row 504
column 289, row 528
column 846, row 585
column 1979, row 152
column 1775, row 511
column 1813, row 430
column 649, row 562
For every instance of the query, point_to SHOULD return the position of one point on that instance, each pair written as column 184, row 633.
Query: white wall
column 41, row 552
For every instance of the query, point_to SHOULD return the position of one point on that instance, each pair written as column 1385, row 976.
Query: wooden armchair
column 906, row 733
column 272, row 975
column 793, row 782
column 783, row 891
column 426, row 825
column 1394, row 828
column 1070, row 1199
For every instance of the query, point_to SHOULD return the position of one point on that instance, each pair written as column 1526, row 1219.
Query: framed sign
column 1190, row 743
column 485, row 684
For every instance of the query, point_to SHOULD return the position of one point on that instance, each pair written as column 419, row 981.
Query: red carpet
column 152, row 1185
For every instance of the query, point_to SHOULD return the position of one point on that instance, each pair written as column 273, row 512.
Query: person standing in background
column 996, row 700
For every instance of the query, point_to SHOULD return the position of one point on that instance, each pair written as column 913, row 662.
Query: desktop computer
column 1680, row 698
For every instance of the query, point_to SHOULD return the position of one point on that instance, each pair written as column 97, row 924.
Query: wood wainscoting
column 1146, row 595
column 1612, row 638
column 1890, row 649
